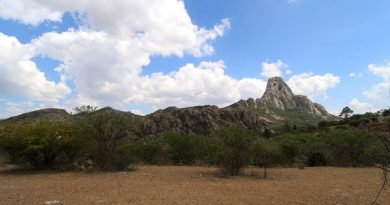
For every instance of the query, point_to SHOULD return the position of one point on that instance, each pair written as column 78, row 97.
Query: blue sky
column 145, row 55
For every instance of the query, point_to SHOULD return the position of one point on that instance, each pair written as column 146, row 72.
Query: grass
column 195, row 185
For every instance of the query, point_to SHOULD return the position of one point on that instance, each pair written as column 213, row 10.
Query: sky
column 140, row 56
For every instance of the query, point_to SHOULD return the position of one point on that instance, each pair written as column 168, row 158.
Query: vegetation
column 234, row 150
column 42, row 145
column 103, row 138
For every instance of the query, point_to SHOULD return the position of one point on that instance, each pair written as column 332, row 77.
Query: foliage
column 106, row 130
column 266, row 153
column 148, row 151
column 205, row 149
column 234, row 150
column 180, row 149
column 84, row 109
column 346, row 112
column 347, row 147
column 43, row 144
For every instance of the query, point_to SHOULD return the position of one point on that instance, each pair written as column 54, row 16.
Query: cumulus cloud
column 380, row 92
column 105, row 55
column 360, row 107
column 274, row 69
column 20, row 76
column 197, row 85
column 313, row 85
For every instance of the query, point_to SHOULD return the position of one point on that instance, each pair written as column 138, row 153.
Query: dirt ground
column 195, row 185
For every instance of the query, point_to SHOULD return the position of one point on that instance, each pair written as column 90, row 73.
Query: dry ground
column 195, row 185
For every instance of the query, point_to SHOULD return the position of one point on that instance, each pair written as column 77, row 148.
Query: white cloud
column 380, row 92
column 9, row 108
column 360, row 107
column 191, row 85
column 356, row 75
column 313, row 85
column 28, row 12
column 273, row 69
column 382, row 71
column 104, row 57
column 21, row 77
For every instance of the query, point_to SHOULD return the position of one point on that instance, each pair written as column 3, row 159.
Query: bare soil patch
column 195, row 185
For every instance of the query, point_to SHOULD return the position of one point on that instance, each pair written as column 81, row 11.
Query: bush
column 205, row 149
column 347, row 147
column 106, row 130
column 43, row 144
column 148, row 152
column 234, row 149
column 180, row 148
column 266, row 153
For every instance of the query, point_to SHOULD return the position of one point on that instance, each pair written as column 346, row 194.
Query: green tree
column 346, row 112
column 266, row 153
column 106, row 130
column 84, row 109
column 43, row 144
column 234, row 149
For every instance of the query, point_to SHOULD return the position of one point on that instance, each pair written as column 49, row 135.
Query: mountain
column 279, row 105
column 201, row 120
column 50, row 114
column 274, row 109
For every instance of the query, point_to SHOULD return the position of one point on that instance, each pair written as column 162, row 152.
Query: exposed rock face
column 198, row 120
column 278, row 104
column 278, row 95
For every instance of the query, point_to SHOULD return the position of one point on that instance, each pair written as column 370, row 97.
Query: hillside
column 275, row 108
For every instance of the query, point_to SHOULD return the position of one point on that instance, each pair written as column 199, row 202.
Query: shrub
column 43, row 144
column 266, row 153
column 106, row 130
column 347, row 147
column 234, row 149
column 180, row 148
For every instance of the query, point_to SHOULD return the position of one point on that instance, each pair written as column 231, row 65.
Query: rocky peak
column 277, row 95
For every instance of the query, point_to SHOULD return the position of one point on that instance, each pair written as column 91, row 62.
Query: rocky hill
column 50, row 114
column 198, row 120
column 277, row 106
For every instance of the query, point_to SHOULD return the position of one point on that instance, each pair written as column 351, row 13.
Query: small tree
column 106, row 129
column 266, row 153
column 346, row 112
column 84, row 109
column 234, row 149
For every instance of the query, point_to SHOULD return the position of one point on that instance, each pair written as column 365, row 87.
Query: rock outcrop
column 202, row 120
column 278, row 95
column 276, row 106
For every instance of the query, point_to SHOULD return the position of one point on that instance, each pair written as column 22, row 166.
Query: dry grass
column 195, row 185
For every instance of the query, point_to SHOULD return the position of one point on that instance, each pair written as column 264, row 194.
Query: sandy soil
column 195, row 185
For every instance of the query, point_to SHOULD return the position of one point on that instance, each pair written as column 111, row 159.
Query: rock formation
column 276, row 106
